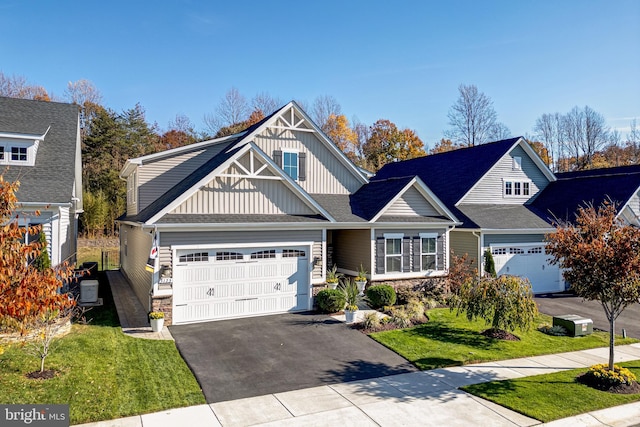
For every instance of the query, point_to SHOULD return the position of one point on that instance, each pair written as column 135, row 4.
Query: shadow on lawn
column 447, row 334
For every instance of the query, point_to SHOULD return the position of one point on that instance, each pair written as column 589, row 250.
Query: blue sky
column 401, row 61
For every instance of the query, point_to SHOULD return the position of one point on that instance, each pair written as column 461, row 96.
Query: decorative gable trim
column 532, row 155
column 429, row 196
column 253, row 173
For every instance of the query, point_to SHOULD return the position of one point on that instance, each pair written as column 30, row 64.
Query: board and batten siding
column 157, row 177
column 135, row 246
column 325, row 173
column 464, row 242
column 227, row 195
column 352, row 248
column 490, row 189
column 259, row 238
column 411, row 203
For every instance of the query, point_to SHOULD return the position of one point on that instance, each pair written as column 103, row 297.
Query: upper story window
column 517, row 188
column 16, row 153
column 290, row 163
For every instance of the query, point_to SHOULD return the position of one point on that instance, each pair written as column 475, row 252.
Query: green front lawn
column 552, row 396
column 102, row 373
column 450, row 340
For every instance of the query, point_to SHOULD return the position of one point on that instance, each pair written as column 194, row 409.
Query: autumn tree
column 234, row 128
column 180, row 132
column 84, row 94
column 600, row 258
column 323, row 108
column 473, row 119
column 338, row 130
column 266, row 103
column 443, row 146
column 388, row 144
column 18, row 87
column 27, row 294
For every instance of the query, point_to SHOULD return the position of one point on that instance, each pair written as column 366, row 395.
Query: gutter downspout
column 479, row 236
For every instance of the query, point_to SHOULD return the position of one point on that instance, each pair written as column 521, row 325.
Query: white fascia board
column 532, row 154
column 426, row 193
column 210, row 176
column 27, row 136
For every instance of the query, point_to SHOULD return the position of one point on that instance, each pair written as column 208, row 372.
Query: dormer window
column 18, row 154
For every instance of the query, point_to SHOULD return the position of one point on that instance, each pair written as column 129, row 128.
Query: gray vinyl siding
column 501, row 239
column 239, row 195
column 325, row 173
column 135, row 245
column 441, row 245
column 490, row 188
column 156, row 177
column 168, row 239
column 464, row 242
column 410, row 204
column 352, row 248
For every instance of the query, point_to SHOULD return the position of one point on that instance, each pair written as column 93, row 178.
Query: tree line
column 576, row 140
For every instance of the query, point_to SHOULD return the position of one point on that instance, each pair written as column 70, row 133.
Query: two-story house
column 40, row 148
column 248, row 224
column 508, row 199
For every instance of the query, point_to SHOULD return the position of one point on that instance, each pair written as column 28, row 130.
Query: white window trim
column 7, row 151
column 513, row 187
column 297, row 153
column 435, row 253
column 394, row 236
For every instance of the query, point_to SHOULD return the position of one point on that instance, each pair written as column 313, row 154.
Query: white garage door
column 228, row 283
column 528, row 261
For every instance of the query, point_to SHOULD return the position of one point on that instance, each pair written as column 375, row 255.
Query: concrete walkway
column 427, row 398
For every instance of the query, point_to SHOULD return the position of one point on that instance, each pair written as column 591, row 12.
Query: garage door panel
column 530, row 262
column 223, row 287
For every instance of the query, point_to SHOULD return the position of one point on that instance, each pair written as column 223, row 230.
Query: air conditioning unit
column 88, row 291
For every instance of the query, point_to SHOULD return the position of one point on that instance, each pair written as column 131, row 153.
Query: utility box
column 576, row 326
column 88, row 291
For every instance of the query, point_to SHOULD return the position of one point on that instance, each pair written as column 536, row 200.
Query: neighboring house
column 508, row 199
column 248, row 224
column 40, row 148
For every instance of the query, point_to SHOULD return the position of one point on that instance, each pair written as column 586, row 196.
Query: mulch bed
column 633, row 388
column 44, row 375
column 499, row 334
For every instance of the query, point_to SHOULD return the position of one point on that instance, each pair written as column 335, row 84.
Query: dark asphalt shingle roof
column 51, row 179
column 503, row 217
column 372, row 197
column 561, row 199
column 451, row 175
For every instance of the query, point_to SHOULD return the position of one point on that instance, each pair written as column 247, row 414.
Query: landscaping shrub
column 330, row 300
column 371, row 321
column 401, row 318
column 381, row 295
column 415, row 309
column 600, row 377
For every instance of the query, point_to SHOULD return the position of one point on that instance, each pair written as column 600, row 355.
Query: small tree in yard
column 600, row 256
column 505, row 302
column 29, row 298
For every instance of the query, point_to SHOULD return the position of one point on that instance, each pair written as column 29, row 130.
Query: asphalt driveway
column 568, row 303
column 234, row 359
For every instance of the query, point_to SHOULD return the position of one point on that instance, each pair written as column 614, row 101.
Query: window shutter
column 380, row 267
column 417, row 250
column 440, row 252
column 277, row 157
column 302, row 166
column 406, row 254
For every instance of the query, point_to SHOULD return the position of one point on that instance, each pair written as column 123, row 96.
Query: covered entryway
column 213, row 284
column 530, row 261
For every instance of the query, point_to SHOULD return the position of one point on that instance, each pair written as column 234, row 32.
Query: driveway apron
column 241, row 358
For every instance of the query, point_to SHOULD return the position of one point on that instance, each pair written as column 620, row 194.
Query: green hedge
column 381, row 295
column 330, row 300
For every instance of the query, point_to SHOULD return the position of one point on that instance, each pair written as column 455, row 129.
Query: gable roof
column 562, row 198
column 55, row 126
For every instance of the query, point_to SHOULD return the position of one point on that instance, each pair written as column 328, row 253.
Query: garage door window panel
column 268, row 254
column 195, row 257
column 229, row 256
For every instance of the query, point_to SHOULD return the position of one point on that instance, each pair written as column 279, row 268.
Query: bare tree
column 88, row 97
column 585, row 133
column 17, row 87
column 633, row 142
column 265, row 103
column 232, row 108
column 323, row 107
column 472, row 117
column 500, row 131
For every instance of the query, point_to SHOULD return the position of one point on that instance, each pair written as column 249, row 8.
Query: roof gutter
column 46, row 204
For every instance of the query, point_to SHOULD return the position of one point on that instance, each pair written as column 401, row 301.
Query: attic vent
column 517, row 163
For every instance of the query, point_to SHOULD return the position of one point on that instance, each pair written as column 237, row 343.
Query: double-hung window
column 393, row 253
column 428, row 252
column 290, row 163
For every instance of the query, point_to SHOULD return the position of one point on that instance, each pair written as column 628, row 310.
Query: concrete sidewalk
column 427, row 398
